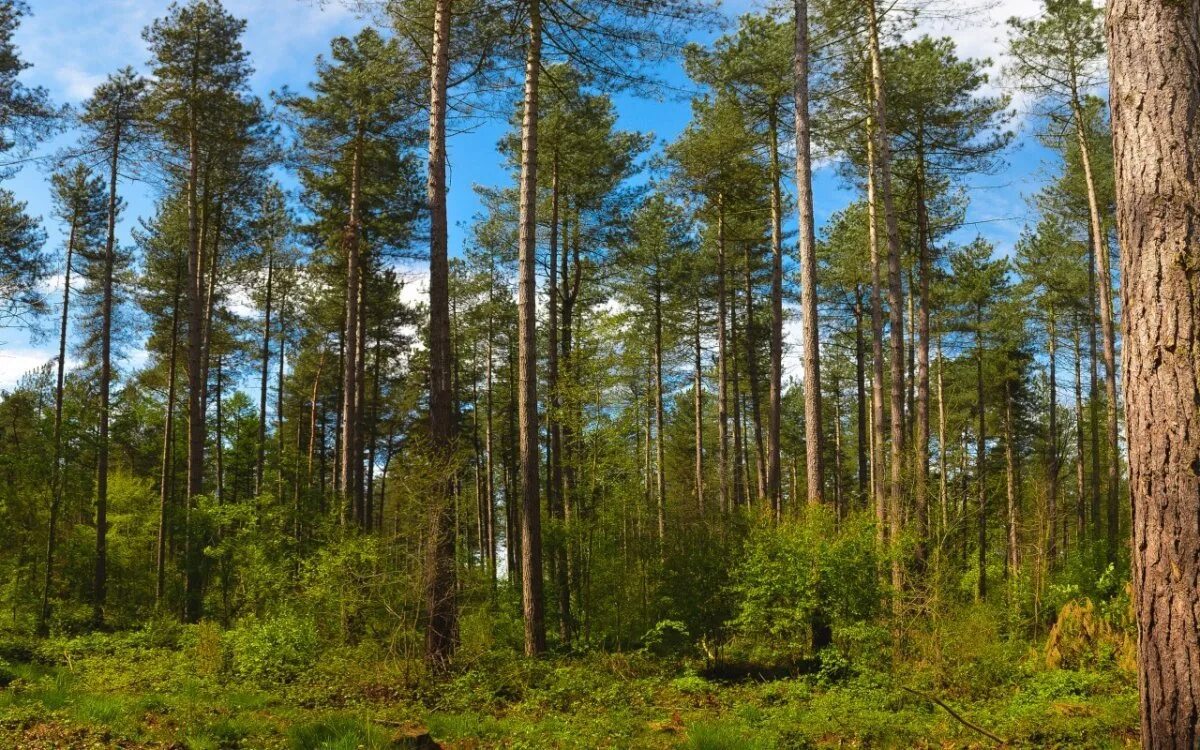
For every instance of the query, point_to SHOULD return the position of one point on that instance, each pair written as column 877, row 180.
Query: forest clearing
column 600, row 374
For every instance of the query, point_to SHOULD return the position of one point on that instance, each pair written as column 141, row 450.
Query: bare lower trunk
column 722, row 365
column 1154, row 56
column 878, row 488
column 698, row 414
column 441, row 625
column 813, row 434
column 531, row 527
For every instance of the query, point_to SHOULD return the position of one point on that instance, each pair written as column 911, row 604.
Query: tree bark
column 1154, row 55
column 722, row 364
column 878, row 487
column 265, row 369
column 813, row 433
column 698, row 413
column 980, row 460
column 921, row 459
column 351, row 246
column 441, row 624
column 531, row 527
column 1052, row 468
column 775, row 394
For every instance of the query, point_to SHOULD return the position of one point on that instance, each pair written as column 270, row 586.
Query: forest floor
column 127, row 691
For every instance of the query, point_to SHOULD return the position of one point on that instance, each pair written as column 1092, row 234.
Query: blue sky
column 72, row 50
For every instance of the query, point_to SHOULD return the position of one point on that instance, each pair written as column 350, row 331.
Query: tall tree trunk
column 57, row 477
column 166, row 487
column 980, row 460
column 722, row 364
column 883, row 151
column 698, row 413
column 943, row 488
column 1103, row 289
column 351, row 247
column 660, row 470
column 1012, row 483
column 860, row 393
column 813, row 433
column 775, row 407
column 1154, row 57
column 1052, row 468
column 531, row 527
column 1080, row 471
column 921, row 459
column 100, row 582
column 441, row 624
column 878, row 488
column 739, row 465
column 554, row 487
column 753, row 378
column 265, row 369
column 193, row 599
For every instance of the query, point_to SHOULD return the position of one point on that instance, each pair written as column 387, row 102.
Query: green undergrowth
column 198, row 687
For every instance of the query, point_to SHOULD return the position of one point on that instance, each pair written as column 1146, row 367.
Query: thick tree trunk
column 813, row 433
column 1154, row 55
column 752, row 376
column 554, row 488
column 775, row 395
column 531, row 527
column 441, row 624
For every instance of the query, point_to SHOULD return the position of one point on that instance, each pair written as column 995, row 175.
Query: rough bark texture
column 1155, row 83
column 531, row 527
column 441, row 606
column 813, row 436
column 879, row 490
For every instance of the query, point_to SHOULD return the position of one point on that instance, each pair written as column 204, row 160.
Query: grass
column 102, row 694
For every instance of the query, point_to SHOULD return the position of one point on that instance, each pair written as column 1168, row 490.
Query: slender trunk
column 265, row 368
column 441, row 624
column 531, row 527
column 1080, row 471
column 752, row 376
column 167, row 477
column 921, row 459
column 353, row 258
column 57, row 477
column 813, row 433
column 1012, row 482
column 698, row 413
column 659, row 421
column 1153, row 58
column 1052, row 469
column 775, row 407
column 980, row 459
column 860, row 386
column 739, row 475
column 1103, row 289
column 722, row 364
column 878, row 487
column 100, row 583
column 895, row 294
column 554, row 487
column 194, row 602
column 943, row 489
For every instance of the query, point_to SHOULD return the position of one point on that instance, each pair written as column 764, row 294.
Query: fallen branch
column 956, row 715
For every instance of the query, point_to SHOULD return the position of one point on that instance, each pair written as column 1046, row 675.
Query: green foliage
column 802, row 571
column 338, row 732
column 275, row 649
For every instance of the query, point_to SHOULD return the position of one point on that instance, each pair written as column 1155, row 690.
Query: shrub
column 806, row 575
column 277, row 649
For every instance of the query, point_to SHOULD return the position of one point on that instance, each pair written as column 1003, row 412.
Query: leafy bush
column 667, row 638
column 805, row 574
column 277, row 649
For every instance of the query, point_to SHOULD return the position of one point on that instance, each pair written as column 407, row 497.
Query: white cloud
column 15, row 363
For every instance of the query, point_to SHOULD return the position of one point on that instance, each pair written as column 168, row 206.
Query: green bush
column 277, row 649
column 806, row 573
